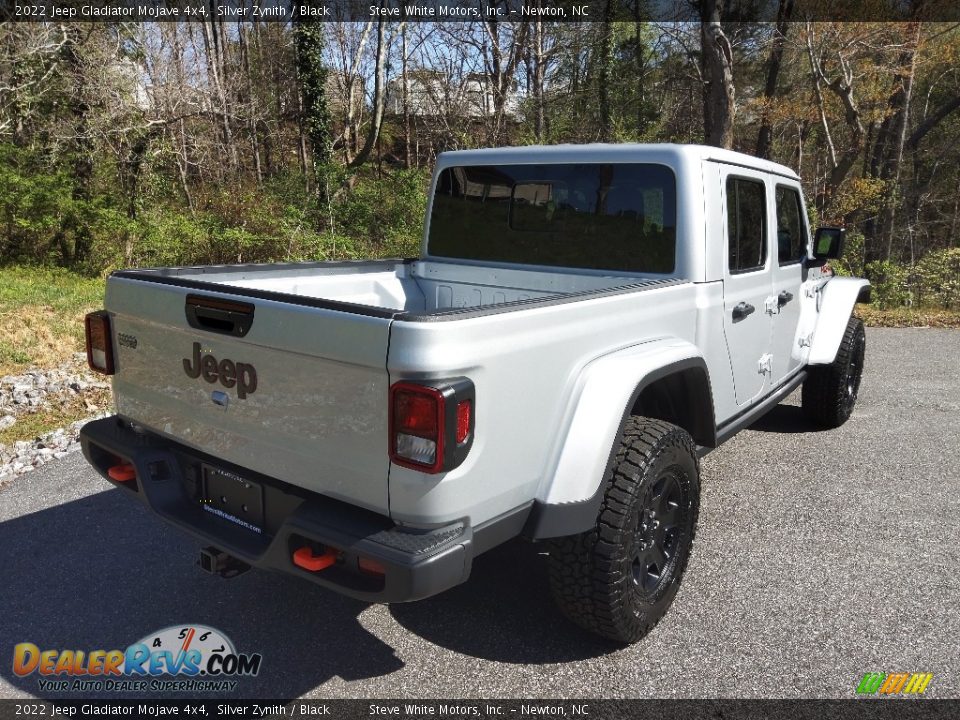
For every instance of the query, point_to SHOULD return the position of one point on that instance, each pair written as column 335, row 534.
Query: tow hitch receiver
column 217, row 562
column 305, row 557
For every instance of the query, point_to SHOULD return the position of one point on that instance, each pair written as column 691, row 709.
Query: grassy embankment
column 908, row 317
column 41, row 326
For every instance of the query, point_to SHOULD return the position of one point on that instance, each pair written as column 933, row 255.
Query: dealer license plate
column 233, row 498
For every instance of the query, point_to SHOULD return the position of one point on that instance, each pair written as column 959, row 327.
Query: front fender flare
column 835, row 305
column 604, row 396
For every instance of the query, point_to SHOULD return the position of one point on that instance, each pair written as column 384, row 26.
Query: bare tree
column 379, row 96
column 775, row 62
column 214, row 54
column 719, row 101
column 842, row 86
column 30, row 57
column 604, row 63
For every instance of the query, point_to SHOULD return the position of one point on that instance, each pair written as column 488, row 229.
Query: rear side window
column 791, row 234
column 588, row 215
column 746, row 224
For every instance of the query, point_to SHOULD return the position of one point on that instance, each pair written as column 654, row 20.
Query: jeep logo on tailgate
column 229, row 373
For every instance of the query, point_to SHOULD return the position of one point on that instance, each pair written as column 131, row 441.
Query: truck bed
column 323, row 340
column 396, row 289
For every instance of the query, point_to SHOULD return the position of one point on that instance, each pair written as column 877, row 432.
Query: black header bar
column 205, row 708
column 562, row 11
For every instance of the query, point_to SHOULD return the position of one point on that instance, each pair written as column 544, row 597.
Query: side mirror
column 828, row 243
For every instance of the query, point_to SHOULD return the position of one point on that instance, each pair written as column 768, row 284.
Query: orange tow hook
column 124, row 472
column 304, row 557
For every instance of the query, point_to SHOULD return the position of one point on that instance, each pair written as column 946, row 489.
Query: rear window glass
column 596, row 216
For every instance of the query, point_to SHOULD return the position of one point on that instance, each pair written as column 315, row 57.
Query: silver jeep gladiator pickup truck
column 582, row 325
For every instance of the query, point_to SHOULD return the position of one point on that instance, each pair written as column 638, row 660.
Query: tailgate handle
column 227, row 317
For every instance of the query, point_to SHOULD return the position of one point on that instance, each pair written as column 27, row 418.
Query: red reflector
column 371, row 566
column 99, row 342
column 416, row 413
column 463, row 421
column 122, row 473
column 304, row 557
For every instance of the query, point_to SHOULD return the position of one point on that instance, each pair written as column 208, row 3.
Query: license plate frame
column 233, row 498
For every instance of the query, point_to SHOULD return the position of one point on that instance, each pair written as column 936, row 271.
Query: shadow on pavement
column 786, row 419
column 504, row 613
column 102, row 572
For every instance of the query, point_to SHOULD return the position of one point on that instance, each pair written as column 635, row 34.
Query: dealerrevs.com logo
column 180, row 658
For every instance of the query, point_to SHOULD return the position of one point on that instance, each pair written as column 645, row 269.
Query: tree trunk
column 82, row 150
column 893, row 167
column 719, row 105
column 211, row 42
column 251, row 103
column 605, row 60
column 302, row 145
column 931, row 121
column 640, row 68
column 765, row 135
column 955, row 222
column 315, row 123
column 351, row 124
column 182, row 165
column 376, row 118
column 406, row 97
column 842, row 87
column 503, row 65
column 539, row 117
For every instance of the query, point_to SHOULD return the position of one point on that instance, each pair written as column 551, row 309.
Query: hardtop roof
column 609, row 152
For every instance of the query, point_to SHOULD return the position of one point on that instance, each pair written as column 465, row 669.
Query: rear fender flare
column 605, row 394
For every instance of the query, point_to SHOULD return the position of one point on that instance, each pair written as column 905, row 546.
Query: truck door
column 791, row 247
column 746, row 280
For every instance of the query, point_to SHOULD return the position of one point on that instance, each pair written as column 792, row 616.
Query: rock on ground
column 37, row 390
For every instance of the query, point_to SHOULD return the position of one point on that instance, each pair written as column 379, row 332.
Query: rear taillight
column 418, row 426
column 99, row 342
column 431, row 426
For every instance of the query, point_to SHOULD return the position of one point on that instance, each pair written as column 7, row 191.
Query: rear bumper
column 415, row 564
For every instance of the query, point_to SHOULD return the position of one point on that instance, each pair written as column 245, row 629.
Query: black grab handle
column 227, row 317
column 742, row 310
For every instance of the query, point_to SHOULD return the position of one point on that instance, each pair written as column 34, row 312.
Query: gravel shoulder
column 37, row 394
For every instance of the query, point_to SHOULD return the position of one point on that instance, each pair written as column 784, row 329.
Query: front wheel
column 830, row 391
column 619, row 578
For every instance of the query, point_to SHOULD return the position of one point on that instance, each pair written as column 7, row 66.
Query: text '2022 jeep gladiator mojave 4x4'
column 582, row 324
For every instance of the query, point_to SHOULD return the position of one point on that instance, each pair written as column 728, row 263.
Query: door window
column 791, row 237
column 746, row 224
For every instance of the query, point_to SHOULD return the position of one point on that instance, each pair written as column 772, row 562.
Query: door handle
column 783, row 298
column 742, row 310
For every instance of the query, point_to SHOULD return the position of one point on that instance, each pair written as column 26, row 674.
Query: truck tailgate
column 301, row 396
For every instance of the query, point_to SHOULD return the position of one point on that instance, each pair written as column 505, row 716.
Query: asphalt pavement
column 820, row 556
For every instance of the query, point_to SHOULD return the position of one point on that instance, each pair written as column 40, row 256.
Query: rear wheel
column 619, row 578
column 830, row 391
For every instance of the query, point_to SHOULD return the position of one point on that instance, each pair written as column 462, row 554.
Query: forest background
column 214, row 141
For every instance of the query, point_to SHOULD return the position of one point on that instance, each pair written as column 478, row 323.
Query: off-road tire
column 830, row 391
column 601, row 579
